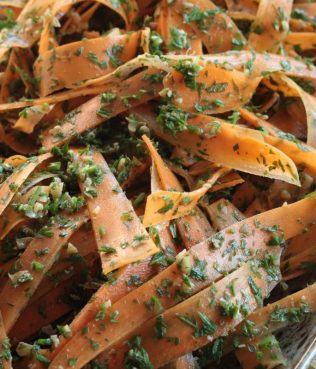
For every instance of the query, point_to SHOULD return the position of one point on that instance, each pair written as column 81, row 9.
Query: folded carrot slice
column 168, row 180
column 162, row 206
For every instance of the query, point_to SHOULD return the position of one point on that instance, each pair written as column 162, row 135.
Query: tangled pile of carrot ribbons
column 158, row 163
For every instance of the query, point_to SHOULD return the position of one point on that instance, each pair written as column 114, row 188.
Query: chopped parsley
column 179, row 39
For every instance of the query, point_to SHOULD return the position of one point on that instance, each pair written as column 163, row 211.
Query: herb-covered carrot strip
column 300, row 243
column 11, row 217
column 163, row 206
column 257, row 64
column 257, row 122
column 271, row 25
column 289, row 309
column 67, row 65
column 231, row 179
column 309, row 102
column 194, row 228
column 120, row 236
column 210, row 24
column 299, row 264
column 298, row 151
column 201, row 265
column 201, row 318
column 34, row 262
column 115, row 100
column 178, row 37
column 30, row 117
column 43, row 311
column 11, row 185
column 264, row 351
column 24, row 33
column 305, row 40
column 5, row 352
column 220, row 142
column 223, row 214
column 205, row 87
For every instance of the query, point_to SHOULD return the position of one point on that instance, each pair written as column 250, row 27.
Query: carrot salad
column 157, row 178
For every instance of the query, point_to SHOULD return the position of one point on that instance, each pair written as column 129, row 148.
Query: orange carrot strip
column 17, row 178
column 15, row 295
column 194, row 228
column 262, row 62
column 300, row 264
column 305, row 40
column 68, row 65
column 299, row 152
column 144, row 270
column 134, row 91
column 230, row 180
column 111, row 210
column 11, row 218
column 309, row 102
column 300, row 243
column 237, row 89
column 223, row 214
column 271, row 25
column 270, row 356
column 162, row 206
column 30, row 117
column 257, row 122
column 229, row 145
column 169, row 22
column 31, row 321
column 217, row 26
column 22, row 145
